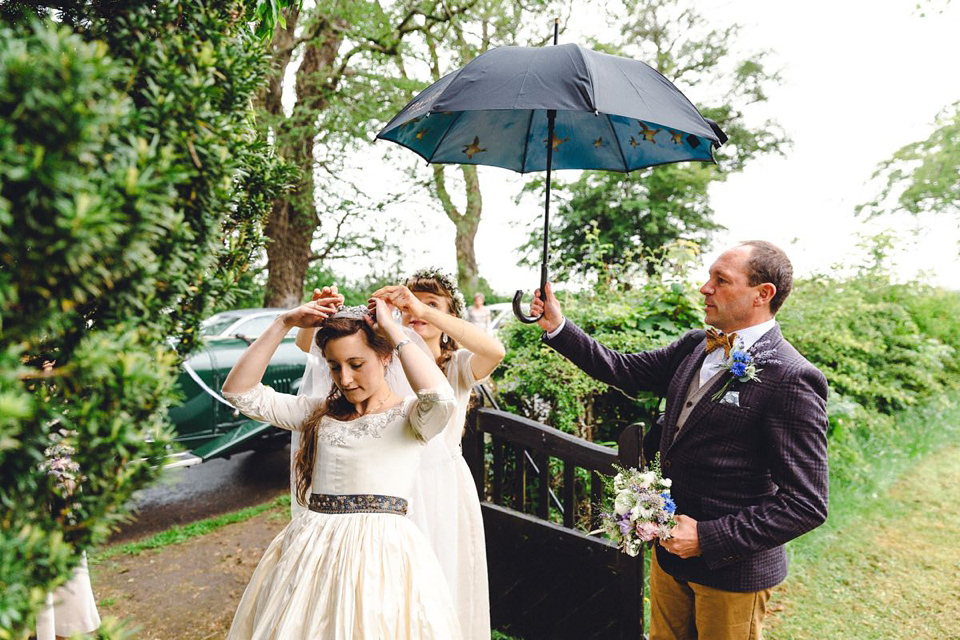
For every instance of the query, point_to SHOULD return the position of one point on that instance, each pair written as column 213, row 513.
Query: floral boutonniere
column 743, row 364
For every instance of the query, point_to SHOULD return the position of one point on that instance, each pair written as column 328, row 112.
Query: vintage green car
column 206, row 425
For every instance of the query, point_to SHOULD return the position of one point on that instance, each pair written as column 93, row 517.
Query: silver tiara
column 355, row 313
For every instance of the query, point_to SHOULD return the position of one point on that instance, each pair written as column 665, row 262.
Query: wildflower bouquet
column 642, row 508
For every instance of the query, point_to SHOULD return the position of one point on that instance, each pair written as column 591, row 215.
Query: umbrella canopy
column 559, row 107
column 612, row 113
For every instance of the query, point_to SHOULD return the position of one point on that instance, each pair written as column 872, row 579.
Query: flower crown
column 445, row 281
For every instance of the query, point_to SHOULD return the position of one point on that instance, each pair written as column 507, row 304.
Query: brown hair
column 768, row 263
column 419, row 284
column 335, row 405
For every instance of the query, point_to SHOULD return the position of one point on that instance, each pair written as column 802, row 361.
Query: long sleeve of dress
column 430, row 410
column 279, row 409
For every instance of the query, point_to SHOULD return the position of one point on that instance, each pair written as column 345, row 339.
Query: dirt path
column 186, row 591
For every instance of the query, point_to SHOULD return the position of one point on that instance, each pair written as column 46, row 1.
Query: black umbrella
column 560, row 107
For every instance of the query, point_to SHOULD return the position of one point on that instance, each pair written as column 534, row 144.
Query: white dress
column 70, row 608
column 351, row 575
column 446, row 508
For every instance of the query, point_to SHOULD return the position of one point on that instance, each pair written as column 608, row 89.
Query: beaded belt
column 362, row 503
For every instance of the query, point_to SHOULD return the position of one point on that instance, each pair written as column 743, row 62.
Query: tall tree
column 923, row 177
column 348, row 57
column 622, row 215
column 358, row 63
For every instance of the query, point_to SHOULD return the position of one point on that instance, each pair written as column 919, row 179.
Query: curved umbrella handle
column 517, row 311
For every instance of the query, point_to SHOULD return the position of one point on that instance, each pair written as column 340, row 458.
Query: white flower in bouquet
column 624, row 502
column 647, row 478
column 619, row 482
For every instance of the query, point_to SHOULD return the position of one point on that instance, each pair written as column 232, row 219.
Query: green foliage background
column 885, row 348
column 132, row 189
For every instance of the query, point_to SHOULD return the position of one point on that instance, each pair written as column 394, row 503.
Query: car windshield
column 215, row 325
column 253, row 327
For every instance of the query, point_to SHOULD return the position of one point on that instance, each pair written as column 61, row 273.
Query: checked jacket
column 753, row 474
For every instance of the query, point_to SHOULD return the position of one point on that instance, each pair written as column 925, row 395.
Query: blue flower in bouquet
column 669, row 506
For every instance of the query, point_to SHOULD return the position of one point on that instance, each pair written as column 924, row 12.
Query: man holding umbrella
column 743, row 440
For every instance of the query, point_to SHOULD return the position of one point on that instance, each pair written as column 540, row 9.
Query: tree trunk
column 294, row 219
column 466, row 223
column 288, row 253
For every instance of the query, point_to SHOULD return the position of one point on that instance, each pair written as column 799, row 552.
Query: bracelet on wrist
column 400, row 345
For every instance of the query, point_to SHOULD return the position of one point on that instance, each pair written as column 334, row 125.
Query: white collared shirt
column 745, row 337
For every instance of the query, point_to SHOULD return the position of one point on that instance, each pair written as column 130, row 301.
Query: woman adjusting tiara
column 349, row 565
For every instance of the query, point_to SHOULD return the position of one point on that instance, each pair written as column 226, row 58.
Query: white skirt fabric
column 446, row 508
column 360, row 576
column 71, row 608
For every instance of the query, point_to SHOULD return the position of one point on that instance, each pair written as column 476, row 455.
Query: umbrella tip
column 721, row 136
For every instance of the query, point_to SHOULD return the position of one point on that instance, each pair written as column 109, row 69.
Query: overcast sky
column 861, row 78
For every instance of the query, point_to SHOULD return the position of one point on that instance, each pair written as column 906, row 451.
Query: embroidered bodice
column 376, row 453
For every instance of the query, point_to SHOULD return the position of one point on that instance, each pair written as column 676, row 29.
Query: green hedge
column 536, row 382
column 132, row 189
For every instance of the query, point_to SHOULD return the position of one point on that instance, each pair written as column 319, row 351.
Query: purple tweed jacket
column 754, row 476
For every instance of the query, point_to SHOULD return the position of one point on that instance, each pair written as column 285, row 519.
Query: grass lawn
column 887, row 563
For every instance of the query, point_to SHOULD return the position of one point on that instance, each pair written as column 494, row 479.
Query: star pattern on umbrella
column 599, row 142
column 556, row 142
column 677, row 137
column 422, row 133
column 473, row 148
column 633, row 141
column 647, row 132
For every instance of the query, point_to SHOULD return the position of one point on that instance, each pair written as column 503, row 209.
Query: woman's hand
column 329, row 291
column 382, row 321
column 312, row 314
column 403, row 299
column 305, row 334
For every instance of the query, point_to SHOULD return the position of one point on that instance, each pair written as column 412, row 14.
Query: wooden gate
column 541, row 490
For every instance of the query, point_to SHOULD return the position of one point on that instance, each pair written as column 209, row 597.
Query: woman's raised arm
column 487, row 350
column 421, row 371
column 250, row 367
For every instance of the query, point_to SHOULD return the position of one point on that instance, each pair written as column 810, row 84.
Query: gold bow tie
column 717, row 339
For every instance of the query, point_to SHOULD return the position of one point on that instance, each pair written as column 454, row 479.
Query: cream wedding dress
column 71, row 608
column 351, row 575
column 446, row 508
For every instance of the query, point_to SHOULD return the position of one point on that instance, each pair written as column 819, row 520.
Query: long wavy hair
column 439, row 284
column 335, row 405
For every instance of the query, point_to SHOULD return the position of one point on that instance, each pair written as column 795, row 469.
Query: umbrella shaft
column 551, row 117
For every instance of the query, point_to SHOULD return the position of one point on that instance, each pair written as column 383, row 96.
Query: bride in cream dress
column 350, row 565
column 445, row 504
